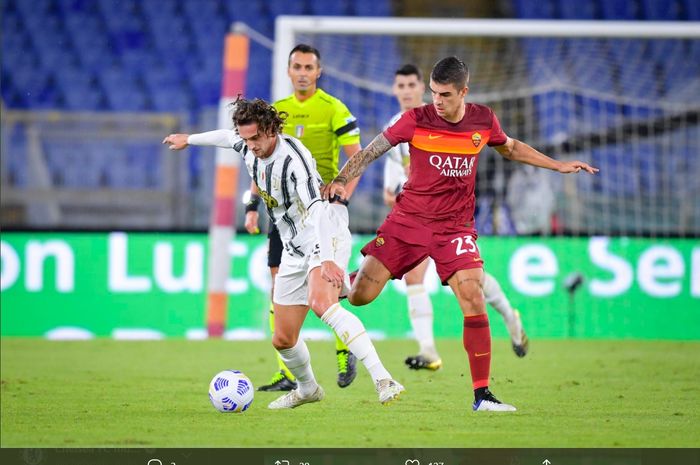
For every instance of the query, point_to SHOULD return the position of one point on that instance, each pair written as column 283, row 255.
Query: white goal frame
column 287, row 27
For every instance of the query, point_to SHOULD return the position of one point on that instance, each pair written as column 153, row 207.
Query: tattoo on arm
column 357, row 164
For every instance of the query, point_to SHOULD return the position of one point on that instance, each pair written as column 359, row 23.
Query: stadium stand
column 165, row 56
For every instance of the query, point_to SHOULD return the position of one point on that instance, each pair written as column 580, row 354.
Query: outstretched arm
column 355, row 166
column 519, row 151
column 224, row 138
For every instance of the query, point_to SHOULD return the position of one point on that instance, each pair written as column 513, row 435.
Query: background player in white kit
column 409, row 90
column 317, row 246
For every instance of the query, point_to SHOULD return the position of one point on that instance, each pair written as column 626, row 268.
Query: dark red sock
column 477, row 343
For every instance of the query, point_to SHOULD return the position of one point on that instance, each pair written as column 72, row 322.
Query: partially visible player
column 317, row 247
column 434, row 214
column 409, row 89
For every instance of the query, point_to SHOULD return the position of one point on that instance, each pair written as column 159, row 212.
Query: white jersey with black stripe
column 289, row 184
column 395, row 162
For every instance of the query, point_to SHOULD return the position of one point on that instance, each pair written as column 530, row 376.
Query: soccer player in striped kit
column 317, row 247
column 324, row 124
column 434, row 214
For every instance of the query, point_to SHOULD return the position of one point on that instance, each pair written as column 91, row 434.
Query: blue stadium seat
column 206, row 86
column 569, row 9
column 252, row 14
column 88, row 98
column 555, row 115
column 616, row 179
column 595, row 114
column 619, row 9
column 371, row 8
column 639, row 80
column 662, row 10
column 70, row 7
column 650, row 167
column 693, row 52
column 172, row 101
column 621, row 50
column 534, row 9
column 691, row 9
column 666, row 51
column 287, row 7
column 335, row 8
column 163, row 8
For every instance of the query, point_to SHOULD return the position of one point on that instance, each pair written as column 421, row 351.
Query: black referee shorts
column 274, row 247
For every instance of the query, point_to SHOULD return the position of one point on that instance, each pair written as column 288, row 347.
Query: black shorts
column 274, row 247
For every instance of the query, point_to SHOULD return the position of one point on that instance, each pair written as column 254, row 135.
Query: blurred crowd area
column 90, row 88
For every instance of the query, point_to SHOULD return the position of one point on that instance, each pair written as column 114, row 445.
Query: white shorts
column 291, row 283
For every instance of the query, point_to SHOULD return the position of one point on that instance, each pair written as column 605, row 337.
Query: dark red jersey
column 444, row 158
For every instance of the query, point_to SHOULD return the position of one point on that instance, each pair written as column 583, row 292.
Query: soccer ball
column 231, row 391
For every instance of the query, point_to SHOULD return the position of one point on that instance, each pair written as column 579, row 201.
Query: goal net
column 623, row 96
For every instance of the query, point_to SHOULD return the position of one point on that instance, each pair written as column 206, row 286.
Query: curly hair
column 268, row 119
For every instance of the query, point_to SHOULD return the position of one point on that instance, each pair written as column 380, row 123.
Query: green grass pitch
column 105, row 393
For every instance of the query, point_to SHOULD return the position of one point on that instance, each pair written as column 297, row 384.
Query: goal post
column 623, row 95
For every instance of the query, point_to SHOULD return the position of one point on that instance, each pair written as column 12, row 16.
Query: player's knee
column 282, row 341
column 359, row 296
column 319, row 303
column 472, row 299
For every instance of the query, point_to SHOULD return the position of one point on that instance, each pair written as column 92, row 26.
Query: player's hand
column 332, row 189
column 576, row 166
column 251, row 223
column 176, row 141
column 332, row 273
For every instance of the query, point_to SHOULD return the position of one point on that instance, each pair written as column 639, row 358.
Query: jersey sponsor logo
column 379, row 241
column 476, row 139
column 451, row 165
column 299, row 131
column 269, row 200
column 434, row 136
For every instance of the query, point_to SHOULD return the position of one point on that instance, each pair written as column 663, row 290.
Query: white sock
column 494, row 296
column 420, row 312
column 298, row 360
column 352, row 332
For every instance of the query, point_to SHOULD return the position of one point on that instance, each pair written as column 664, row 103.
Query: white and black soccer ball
column 231, row 391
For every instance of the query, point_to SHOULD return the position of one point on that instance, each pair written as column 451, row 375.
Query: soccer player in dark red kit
column 434, row 214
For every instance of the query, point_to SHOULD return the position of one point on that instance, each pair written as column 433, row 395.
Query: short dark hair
column 304, row 48
column 409, row 70
column 451, row 70
column 269, row 121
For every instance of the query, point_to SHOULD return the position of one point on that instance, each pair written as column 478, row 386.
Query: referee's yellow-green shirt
column 322, row 123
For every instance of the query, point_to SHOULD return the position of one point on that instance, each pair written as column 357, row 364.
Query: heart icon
column 412, row 462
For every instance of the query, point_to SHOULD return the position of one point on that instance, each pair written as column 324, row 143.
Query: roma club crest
column 476, row 139
column 379, row 241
